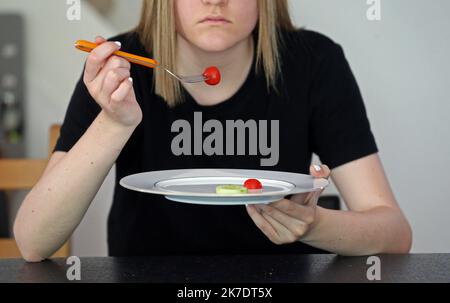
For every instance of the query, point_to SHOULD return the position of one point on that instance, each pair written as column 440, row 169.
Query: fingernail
column 130, row 79
column 118, row 44
column 317, row 168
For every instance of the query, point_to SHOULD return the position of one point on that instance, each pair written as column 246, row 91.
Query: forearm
column 58, row 202
column 379, row 230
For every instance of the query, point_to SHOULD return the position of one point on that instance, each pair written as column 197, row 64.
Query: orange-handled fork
column 147, row 62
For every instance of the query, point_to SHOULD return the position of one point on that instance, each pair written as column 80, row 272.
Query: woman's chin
column 214, row 44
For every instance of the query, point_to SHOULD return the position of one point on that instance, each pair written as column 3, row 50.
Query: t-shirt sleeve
column 340, row 127
column 80, row 114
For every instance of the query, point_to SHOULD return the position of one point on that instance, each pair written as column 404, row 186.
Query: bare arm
column 57, row 203
column 373, row 224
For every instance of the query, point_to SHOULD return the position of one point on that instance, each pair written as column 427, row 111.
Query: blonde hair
column 157, row 33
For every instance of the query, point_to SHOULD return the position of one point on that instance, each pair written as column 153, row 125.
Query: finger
column 303, row 198
column 112, row 81
column 121, row 93
column 97, row 58
column 99, row 40
column 302, row 213
column 320, row 171
column 312, row 198
column 112, row 63
column 263, row 224
column 298, row 198
column 306, row 199
column 293, row 225
column 283, row 233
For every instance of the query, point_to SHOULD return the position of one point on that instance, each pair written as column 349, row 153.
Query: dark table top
column 234, row 269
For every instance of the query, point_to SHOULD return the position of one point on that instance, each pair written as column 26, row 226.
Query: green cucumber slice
column 231, row 189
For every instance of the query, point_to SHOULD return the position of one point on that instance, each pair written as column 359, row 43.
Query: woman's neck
column 234, row 65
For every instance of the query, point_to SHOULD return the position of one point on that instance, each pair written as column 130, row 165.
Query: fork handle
column 87, row 46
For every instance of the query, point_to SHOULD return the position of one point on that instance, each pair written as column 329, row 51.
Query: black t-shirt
column 319, row 108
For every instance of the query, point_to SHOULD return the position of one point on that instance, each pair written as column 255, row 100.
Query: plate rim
column 221, row 202
column 319, row 183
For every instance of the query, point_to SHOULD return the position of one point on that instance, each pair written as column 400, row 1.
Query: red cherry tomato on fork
column 212, row 75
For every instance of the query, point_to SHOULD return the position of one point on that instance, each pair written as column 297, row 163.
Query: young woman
column 122, row 114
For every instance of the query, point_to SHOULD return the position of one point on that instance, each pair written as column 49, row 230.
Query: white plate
column 198, row 186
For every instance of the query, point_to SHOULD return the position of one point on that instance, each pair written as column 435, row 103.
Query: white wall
column 402, row 66
column 125, row 15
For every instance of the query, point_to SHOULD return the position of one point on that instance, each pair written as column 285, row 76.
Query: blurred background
column 400, row 61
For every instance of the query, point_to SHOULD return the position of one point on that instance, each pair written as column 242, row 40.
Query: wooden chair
column 23, row 174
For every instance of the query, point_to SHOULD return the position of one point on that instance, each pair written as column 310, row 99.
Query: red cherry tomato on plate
column 212, row 75
column 252, row 184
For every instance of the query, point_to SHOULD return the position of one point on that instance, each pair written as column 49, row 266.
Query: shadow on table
column 45, row 272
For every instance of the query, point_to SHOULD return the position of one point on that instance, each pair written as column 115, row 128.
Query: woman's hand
column 287, row 221
column 107, row 78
